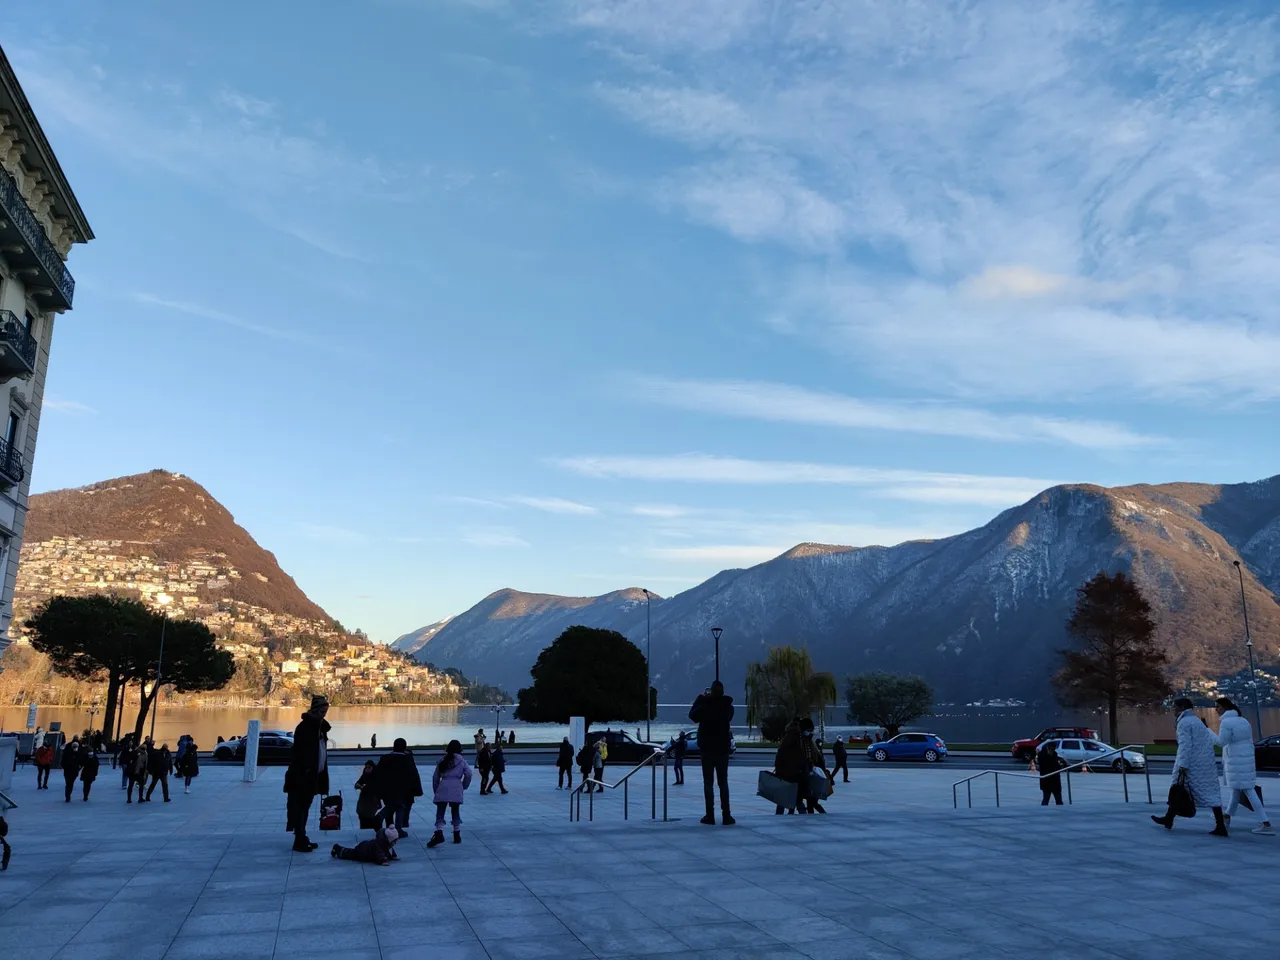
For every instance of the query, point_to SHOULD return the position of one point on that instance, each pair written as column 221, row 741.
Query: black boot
column 457, row 836
column 1166, row 821
column 437, row 838
column 1219, row 824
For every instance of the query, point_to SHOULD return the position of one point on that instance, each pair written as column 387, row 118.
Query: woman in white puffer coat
column 1196, row 764
column 1235, row 736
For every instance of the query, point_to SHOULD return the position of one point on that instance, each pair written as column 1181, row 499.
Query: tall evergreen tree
column 590, row 673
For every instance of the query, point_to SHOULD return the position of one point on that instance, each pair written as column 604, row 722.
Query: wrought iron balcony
column 11, row 470
column 17, row 347
column 35, row 250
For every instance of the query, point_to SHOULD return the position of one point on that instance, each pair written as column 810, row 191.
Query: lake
column 430, row 725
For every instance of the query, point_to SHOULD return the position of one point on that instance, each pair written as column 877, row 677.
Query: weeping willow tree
column 785, row 686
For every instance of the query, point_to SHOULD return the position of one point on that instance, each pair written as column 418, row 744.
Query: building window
column 30, row 321
column 11, row 431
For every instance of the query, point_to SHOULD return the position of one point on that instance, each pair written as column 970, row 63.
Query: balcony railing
column 11, row 470
column 20, row 215
column 17, row 347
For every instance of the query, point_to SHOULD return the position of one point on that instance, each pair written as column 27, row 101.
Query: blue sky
column 569, row 295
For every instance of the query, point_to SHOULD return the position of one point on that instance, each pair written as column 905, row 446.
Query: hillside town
column 280, row 657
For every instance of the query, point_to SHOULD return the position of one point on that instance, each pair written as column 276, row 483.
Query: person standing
column 451, row 778
column 189, row 765
column 308, row 772
column 1195, row 766
column 712, row 711
column 511, row 738
column 399, row 784
column 484, row 763
column 584, row 762
column 479, row 738
column 71, row 760
column 159, row 766
column 373, row 742
column 678, row 749
column 137, row 771
column 598, row 757
column 499, row 768
column 89, row 771
column 369, row 805
column 1239, row 769
column 1049, row 763
column 43, row 759
column 842, row 759
column 564, row 764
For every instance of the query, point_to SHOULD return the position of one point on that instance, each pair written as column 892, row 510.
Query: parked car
column 909, row 746
column 1024, row 750
column 623, row 747
column 691, row 744
column 1098, row 755
column 1266, row 753
column 274, row 746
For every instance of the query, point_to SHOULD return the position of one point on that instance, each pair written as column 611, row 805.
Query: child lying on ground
column 379, row 850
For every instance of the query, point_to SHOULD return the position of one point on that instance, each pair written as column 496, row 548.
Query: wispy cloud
column 466, row 501
column 780, row 403
column 664, row 511
column 493, row 537
column 556, row 505
column 330, row 533
column 67, row 406
column 231, row 320
column 900, row 484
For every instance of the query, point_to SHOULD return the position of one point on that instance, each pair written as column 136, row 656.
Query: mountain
column 978, row 614
column 411, row 643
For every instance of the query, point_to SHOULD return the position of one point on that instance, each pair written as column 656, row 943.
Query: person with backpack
column 43, row 759
column 89, row 771
column 450, row 780
column 159, row 766
column 71, row 760
column 583, row 760
column 308, row 772
column 499, row 768
column 379, row 850
column 1239, row 765
column 712, row 711
column 564, row 764
column 137, row 771
column 189, row 765
column 484, row 763
column 399, row 784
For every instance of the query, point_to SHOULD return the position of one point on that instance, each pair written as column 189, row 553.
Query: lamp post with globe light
column 163, row 599
column 1248, row 645
column 715, row 633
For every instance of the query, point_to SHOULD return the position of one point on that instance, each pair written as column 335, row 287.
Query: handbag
column 776, row 790
column 819, row 785
column 331, row 813
column 1181, row 803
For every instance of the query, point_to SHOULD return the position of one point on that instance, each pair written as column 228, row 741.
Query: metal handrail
column 15, row 206
column 1124, row 775
column 11, row 462
column 624, row 782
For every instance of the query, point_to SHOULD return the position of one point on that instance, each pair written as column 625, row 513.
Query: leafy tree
column 888, row 700
column 589, row 673
column 1118, row 660
column 785, row 686
column 192, row 662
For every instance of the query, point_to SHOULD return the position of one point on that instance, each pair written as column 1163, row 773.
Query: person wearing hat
column 1195, row 767
column 379, row 850
column 842, row 759
column 308, row 772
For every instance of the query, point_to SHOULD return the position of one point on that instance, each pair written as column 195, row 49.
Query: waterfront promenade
column 891, row 873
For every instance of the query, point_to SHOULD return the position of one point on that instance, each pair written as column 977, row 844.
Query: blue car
column 909, row 746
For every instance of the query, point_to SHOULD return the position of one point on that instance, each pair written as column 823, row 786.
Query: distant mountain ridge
column 979, row 613
column 411, row 643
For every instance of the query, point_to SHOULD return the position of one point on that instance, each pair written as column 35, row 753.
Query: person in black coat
column 159, row 766
column 308, row 772
column 89, row 771
column 679, row 747
column 369, row 805
column 842, row 759
column 71, row 760
column 484, row 763
column 564, row 764
column 713, row 713
column 1049, row 763
column 499, row 761
column 399, row 784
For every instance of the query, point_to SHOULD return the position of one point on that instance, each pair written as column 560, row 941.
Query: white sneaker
column 1226, row 818
column 188, row 790
column 1264, row 831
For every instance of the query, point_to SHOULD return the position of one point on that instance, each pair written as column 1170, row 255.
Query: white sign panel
column 251, row 751
column 577, row 733
column 31, row 716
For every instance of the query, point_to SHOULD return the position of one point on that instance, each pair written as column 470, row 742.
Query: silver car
column 1098, row 755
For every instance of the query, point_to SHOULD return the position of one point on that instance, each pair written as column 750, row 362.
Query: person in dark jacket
column 791, row 763
column 816, row 761
column 399, row 784
column 308, row 772
column 484, row 763
column 137, row 771
column 842, row 759
column 511, row 738
column 678, row 749
column 373, row 742
column 1048, row 762
column 379, row 850
column 369, row 804
column 71, row 760
column 189, row 765
column 584, row 759
column 564, row 764
column 124, row 751
column 499, row 768
column 89, row 771
column 159, row 766
column 713, row 713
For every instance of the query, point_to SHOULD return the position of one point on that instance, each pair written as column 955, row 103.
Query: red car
column 1026, row 749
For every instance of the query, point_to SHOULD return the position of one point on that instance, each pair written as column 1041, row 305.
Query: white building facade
column 40, row 220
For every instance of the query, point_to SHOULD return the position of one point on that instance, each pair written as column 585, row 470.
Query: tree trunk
column 109, row 711
column 1113, row 712
column 143, row 709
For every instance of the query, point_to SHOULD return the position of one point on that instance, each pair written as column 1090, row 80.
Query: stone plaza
column 892, row 872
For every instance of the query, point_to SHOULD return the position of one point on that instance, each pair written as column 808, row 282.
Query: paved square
column 892, row 872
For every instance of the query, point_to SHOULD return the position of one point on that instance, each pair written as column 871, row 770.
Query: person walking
column 712, row 711
column 137, row 771
column 679, row 747
column 842, row 759
column 1048, row 762
column 815, row 762
column 450, row 779
column 124, row 750
column 791, row 764
column 1239, row 769
column 499, row 768
column 564, row 764
column 484, row 763
column 583, row 759
column 369, row 804
column 43, row 759
column 379, row 850
column 189, row 765
column 1195, row 767
column 399, row 784
column 308, row 772
column 159, row 766
column 71, row 760
column 89, row 771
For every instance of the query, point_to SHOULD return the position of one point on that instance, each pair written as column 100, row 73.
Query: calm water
column 430, row 725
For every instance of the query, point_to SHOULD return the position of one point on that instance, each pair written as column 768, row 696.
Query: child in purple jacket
column 451, row 777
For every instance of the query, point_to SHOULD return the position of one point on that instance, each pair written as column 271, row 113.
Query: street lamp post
column 648, row 677
column 93, row 712
column 715, row 633
column 497, row 720
column 163, row 599
column 1248, row 645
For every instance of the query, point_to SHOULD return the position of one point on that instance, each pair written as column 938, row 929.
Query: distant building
column 41, row 220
